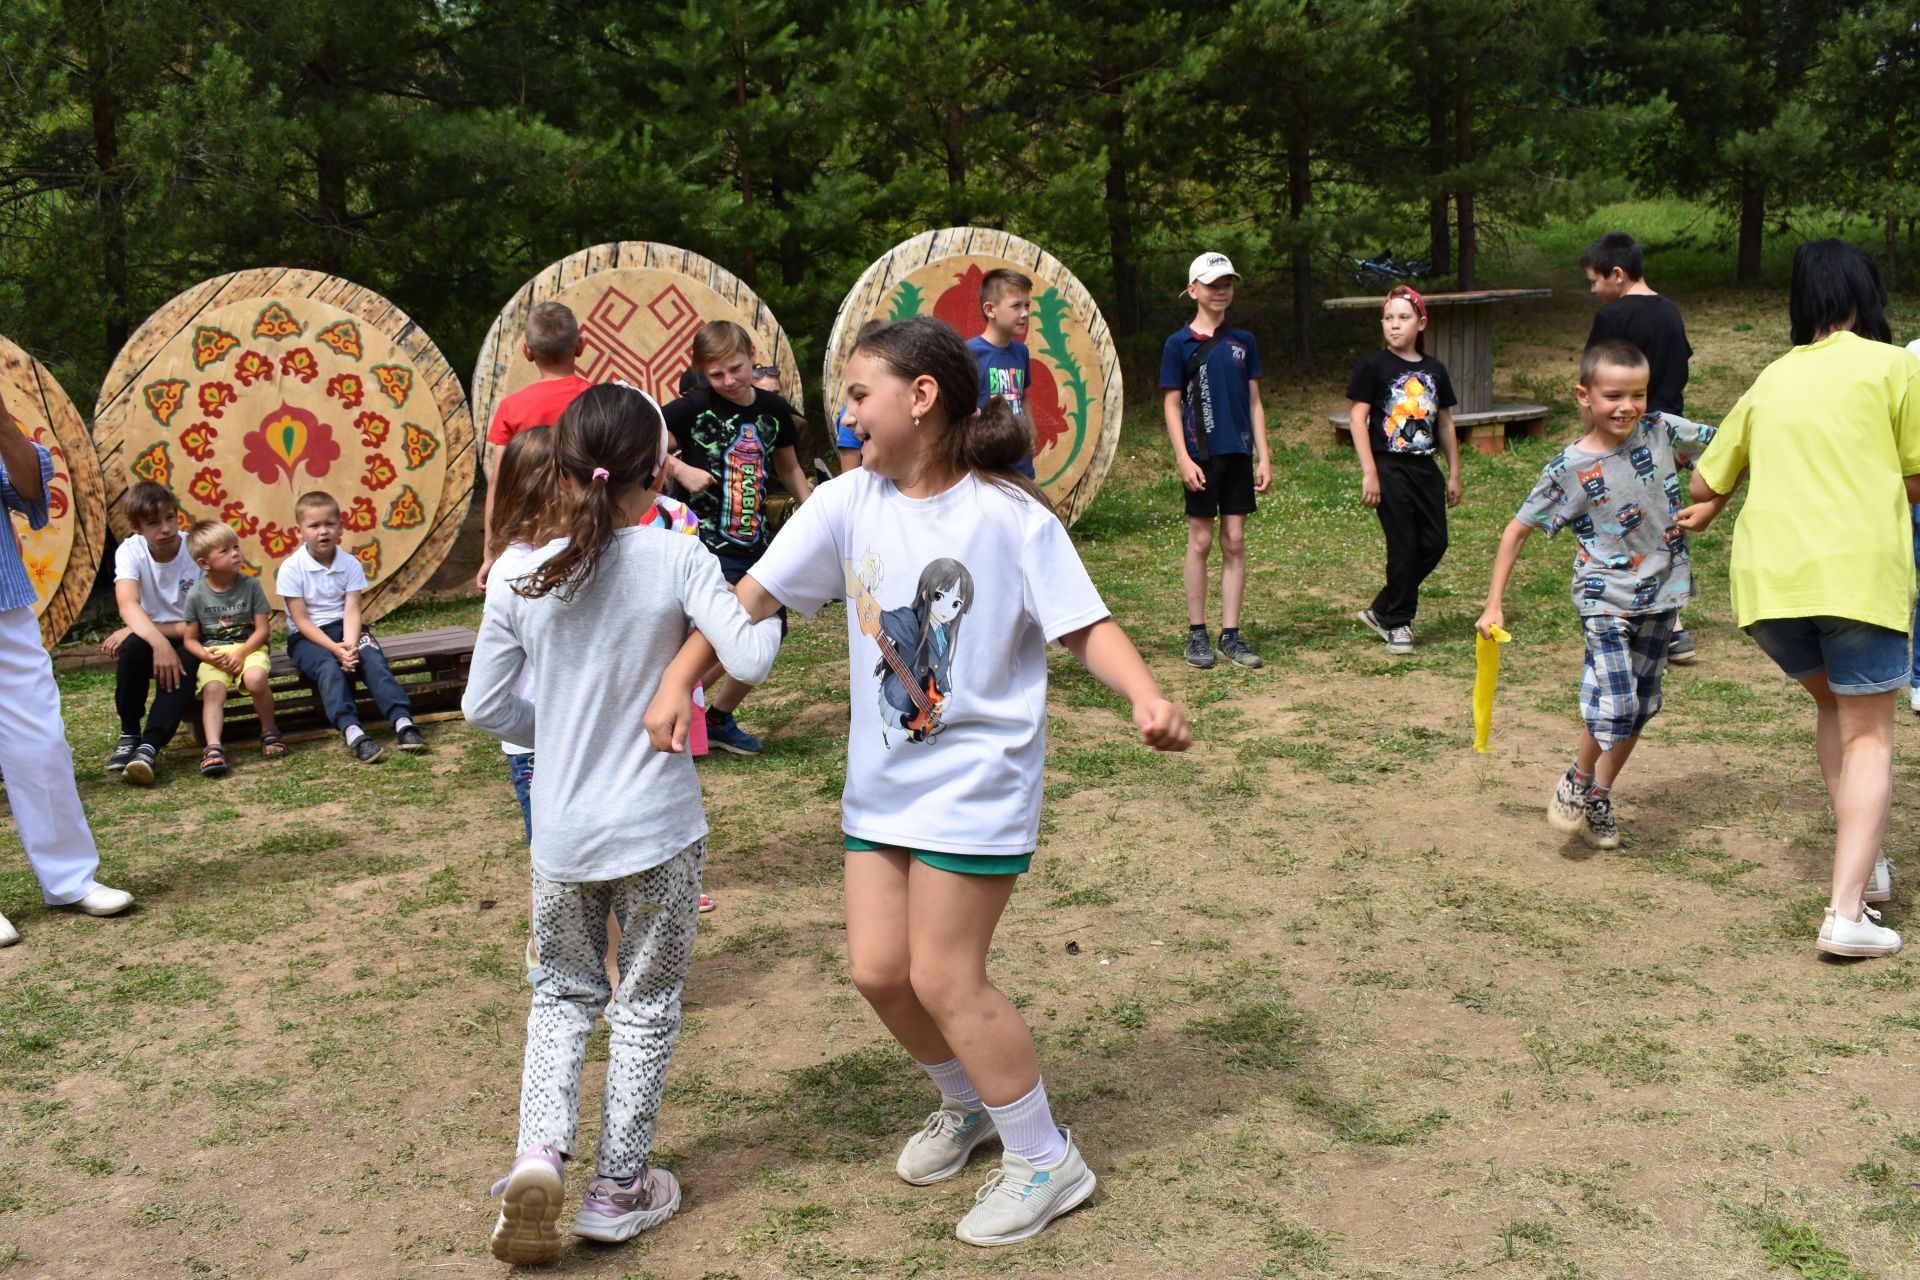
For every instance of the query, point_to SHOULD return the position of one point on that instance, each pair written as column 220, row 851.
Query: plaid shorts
column 1626, row 661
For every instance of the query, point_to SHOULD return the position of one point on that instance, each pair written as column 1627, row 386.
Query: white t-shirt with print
column 163, row 587
column 323, row 587
column 967, row 587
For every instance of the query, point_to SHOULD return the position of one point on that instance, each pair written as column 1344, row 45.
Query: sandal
column 706, row 904
column 274, row 746
column 213, row 761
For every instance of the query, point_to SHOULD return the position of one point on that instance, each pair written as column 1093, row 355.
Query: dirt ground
column 1324, row 997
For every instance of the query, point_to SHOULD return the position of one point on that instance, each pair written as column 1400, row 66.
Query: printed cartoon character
column 1631, row 517
column 1644, row 592
column 1641, row 459
column 1672, row 485
column 1620, row 563
column 1593, row 588
column 1594, row 482
column 1675, row 541
column 1411, row 408
column 917, row 643
column 1582, row 527
column 1555, row 493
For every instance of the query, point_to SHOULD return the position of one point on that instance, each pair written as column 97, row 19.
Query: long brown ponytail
column 986, row 442
column 605, row 445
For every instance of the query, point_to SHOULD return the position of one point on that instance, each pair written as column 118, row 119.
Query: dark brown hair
column 148, row 501
column 1615, row 353
column 526, row 497
column 986, row 442
column 608, row 429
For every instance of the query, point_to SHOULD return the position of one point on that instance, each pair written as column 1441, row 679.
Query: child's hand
column 694, row 480
column 229, row 663
column 1193, row 475
column 1162, row 725
column 1263, row 476
column 111, row 645
column 1493, row 616
column 1453, row 491
column 1696, row 518
column 1370, row 489
column 668, row 717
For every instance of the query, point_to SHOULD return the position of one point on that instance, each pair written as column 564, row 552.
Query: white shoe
column 8, row 934
column 1840, row 936
column 1400, row 640
column 944, row 1143
column 1913, row 700
column 1880, row 883
column 104, row 901
column 1018, row 1201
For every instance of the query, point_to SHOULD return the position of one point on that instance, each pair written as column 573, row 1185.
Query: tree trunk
column 955, row 139
column 1891, row 121
column 329, row 157
column 104, row 104
column 1439, row 242
column 750, row 267
column 1463, row 197
column 1299, row 196
column 1753, row 213
column 1753, row 186
column 1126, row 272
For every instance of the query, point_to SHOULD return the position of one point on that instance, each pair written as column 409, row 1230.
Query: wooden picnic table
column 1460, row 336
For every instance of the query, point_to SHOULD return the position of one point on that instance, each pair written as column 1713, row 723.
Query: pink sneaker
column 529, row 1226
column 614, row 1209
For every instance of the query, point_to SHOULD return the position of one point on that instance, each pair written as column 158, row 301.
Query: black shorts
column 733, row 569
column 1229, row 490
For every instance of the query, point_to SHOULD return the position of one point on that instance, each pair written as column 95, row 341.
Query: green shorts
column 966, row 864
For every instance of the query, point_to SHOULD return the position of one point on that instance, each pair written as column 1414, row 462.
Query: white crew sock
column 951, row 1079
column 354, row 734
column 1027, row 1129
column 402, row 723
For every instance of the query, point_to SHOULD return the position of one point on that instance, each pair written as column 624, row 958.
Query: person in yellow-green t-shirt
column 1823, row 570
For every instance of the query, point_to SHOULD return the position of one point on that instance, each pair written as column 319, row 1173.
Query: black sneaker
column 140, row 769
column 367, row 751
column 1199, row 649
column 122, row 752
column 409, row 739
column 1237, row 651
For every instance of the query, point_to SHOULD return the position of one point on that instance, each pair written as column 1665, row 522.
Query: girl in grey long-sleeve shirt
column 620, row 827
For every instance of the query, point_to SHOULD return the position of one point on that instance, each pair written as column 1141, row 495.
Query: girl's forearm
column 1106, row 652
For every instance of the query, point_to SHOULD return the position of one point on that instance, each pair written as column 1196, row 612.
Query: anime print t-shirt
column 735, row 445
column 1633, row 558
column 951, row 602
column 1403, row 398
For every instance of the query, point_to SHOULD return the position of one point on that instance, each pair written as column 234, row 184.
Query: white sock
column 1027, row 1129
column 951, row 1079
column 402, row 723
column 354, row 734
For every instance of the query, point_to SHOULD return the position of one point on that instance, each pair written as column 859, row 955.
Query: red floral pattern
column 252, row 368
column 279, row 542
column 299, row 363
column 215, row 397
column 206, row 488
column 380, row 472
column 346, row 388
column 198, row 440
column 287, row 440
column 361, row 516
column 373, row 429
column 237, row 518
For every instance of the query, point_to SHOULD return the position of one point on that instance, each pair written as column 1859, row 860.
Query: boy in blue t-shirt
column 1006, row 368
column 1211, row 376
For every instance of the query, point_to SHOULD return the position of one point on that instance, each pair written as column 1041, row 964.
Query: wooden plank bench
column 433, row 665
column 1487, row 430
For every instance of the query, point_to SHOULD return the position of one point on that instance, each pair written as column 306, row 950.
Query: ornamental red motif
column 278, row 542
column 198, row 440
column 215, row 397
column 252, row 368
column 206, row 488
column 286, row 440
column 239, row 519
column 361, row 516
column 380, row 472
column 373, row 429
column 346, row 388
column 299, row 363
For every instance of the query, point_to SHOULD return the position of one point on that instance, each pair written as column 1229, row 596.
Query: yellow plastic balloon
column 1486, row 678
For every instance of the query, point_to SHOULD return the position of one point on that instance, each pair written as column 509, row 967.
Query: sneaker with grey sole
column 1373, row 624
column 943, row 1144
column 1680, row 648
column 1400, row 640
column 1199, row 650
column 1239, row 653
column 1019, row 1201
column 613, row 1212
column 122, row 752
column 1567, row 811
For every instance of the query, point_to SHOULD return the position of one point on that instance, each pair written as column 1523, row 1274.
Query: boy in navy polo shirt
column 1211, row 377
column 1006, row 367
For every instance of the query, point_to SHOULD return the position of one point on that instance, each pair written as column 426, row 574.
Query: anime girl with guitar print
column 916, row 642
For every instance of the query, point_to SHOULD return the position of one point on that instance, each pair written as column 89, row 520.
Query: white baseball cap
column 1209, row 267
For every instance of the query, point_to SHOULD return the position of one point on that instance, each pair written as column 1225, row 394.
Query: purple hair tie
column 600, row 473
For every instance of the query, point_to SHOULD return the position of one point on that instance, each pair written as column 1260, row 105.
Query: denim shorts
column 1857, row 658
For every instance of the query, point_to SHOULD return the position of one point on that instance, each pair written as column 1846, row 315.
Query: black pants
column 1413, row 515
column 133, row 677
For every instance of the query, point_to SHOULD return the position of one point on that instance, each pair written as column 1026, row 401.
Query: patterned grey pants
column 658, row 910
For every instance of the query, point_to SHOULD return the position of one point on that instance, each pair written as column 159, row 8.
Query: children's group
column 636, row 594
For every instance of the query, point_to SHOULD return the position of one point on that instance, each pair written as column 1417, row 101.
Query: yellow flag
column 1486, row 678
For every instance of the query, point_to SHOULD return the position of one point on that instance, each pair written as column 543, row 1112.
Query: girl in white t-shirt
column 957, row 574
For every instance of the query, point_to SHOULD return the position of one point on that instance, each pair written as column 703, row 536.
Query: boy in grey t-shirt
column 1618, row 489
column 226, row 627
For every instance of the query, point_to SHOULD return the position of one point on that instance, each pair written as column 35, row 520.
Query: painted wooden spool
column 252, row 388
column 1076, row 396
column 639, row 305
column 64, row 557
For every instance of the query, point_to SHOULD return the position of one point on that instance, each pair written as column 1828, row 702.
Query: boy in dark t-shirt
column 728, row 437
column 1210, row 380
column 1632, row 312
column 1006, row 366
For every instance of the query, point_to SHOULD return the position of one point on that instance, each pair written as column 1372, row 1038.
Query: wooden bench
column 433, row 665
column 1487, row 430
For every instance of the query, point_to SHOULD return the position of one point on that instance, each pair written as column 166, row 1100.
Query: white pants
column 38, row 765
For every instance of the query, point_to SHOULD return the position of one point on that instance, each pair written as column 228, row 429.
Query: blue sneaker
column 724, row 732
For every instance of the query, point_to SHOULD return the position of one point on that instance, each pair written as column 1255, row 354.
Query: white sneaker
column 1018, row 1201
column 1913, row 700
column 1373, row 624
column 1880, row 883
column 104, row 901
column 1840, row 936
column 1567, row 811
column 8, row 934
column 1400, row 640
column 944, row 1143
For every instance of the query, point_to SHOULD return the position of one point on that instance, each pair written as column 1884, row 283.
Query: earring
column 916, row 424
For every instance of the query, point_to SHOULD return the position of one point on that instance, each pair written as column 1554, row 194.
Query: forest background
column 441, row 151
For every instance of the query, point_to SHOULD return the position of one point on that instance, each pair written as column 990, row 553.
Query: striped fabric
column 16, row 587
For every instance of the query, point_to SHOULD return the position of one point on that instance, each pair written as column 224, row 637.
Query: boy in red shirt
column 552, row 342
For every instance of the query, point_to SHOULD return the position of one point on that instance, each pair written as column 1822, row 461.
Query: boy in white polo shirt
column 151, row 574
column 321, row 588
